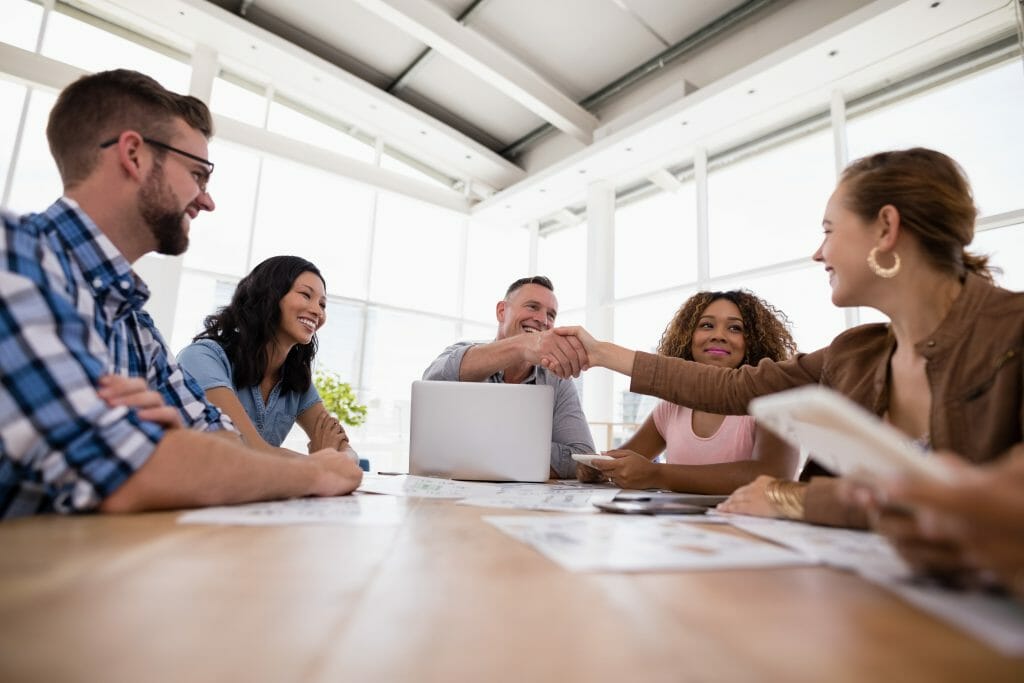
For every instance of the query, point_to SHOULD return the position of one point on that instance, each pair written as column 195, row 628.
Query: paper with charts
column 585, row 543
column 551, row 497
column 353, row 509
column 995, row 620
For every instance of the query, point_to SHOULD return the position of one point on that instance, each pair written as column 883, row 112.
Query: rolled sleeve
column 446, row 367
column 570, row 432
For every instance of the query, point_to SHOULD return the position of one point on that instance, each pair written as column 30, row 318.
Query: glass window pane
column 295, row 124
column 20, row 26
column 975, row 120
column 318, row 216
column 656, row 242
column 392, row 363
column 1005, row 249
column 496, row 257
column 199, row 295
column 806, row 298
column 639, row 325
column 14, row 95
column 66, row 40
column 237, row 102
column 562, row 256
column 417, row 253
column 340, row 339
column 36, row 181
column 219, row 240
column 767, row 208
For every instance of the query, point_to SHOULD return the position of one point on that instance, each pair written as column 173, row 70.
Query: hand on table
column 628, row 470
column 751, row 499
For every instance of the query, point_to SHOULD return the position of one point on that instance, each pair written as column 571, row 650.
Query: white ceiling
column 456, row 95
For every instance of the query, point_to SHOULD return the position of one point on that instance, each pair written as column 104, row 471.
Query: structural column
column 598, row 399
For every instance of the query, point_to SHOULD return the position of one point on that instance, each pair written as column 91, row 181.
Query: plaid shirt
column 70, row 312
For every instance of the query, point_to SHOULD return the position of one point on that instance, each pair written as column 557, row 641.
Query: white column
column 163, row 273
column 598, row 400
column 700, row 178
column 534, row 228
column 851, row 315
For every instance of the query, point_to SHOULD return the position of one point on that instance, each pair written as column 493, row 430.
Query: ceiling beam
column 431, row 25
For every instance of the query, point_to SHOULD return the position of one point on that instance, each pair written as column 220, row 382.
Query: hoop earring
column 878, row 270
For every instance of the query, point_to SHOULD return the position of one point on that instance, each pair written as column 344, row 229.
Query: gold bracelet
column 786, row 497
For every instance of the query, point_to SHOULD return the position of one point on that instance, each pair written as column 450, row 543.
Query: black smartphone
column 651, row 507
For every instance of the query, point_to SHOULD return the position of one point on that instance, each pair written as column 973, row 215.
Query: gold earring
column 879, row 270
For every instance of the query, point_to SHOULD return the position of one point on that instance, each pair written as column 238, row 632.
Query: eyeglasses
column 201, row 178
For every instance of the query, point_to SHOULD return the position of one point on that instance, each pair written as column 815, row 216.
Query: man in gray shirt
column 525, row 318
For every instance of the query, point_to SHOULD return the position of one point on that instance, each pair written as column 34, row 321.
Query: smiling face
column 174, row 191
column 844, row 251
column 529, row 309
column 303, row 310
column 718, row 338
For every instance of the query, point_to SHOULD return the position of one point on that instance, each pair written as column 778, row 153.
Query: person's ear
column 499, row 311
column 129, row 153
column 889, row 227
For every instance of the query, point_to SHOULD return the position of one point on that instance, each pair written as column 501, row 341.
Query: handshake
column 565, row 351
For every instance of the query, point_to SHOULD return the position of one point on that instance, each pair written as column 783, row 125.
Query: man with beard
column 94, row 411
column 525, row 318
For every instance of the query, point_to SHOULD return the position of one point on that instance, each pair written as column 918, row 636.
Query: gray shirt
column 569, row 430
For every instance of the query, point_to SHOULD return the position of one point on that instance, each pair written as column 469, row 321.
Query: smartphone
column 651, row 507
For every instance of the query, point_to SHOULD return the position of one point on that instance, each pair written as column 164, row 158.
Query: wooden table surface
column 442, row 596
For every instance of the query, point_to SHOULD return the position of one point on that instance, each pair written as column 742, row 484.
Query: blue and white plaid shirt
column 71, row 312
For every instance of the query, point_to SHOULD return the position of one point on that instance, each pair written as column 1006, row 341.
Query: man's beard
column 165, row 221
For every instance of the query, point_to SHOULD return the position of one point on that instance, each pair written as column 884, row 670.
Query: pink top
column 733, row 441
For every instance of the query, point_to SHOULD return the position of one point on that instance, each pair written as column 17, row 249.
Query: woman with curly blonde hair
column 705, row 452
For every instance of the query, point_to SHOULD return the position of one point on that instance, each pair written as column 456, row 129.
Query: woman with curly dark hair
column 705, row 452
column 254, row 359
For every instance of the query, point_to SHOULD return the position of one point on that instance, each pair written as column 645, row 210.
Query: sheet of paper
column 995, row 620
column 639, row 543
column 354, row 509
column 550, row 497
column 425, row 487
column 859, row 551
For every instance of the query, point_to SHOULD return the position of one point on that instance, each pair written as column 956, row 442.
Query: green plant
column 339, row 398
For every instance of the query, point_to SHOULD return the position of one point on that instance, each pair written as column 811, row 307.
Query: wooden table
column 443, row 596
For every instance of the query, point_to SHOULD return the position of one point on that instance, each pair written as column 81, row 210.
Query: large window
column 562, row 256
column 20, row 26
column 1005, row 249
column 655, row 242
column 309, row 213
column 976, row 120
column 767, row 208
column 36, row 182
column 495, row 258
column 66, row 37
column 417, row 256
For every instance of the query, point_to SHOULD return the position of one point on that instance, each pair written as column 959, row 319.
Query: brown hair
column 933, row 197
column 103, row 105
column 765, row 328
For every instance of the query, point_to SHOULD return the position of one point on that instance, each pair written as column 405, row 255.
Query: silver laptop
column 481, row 431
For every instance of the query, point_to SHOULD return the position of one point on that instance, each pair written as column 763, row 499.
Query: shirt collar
column 105, row 269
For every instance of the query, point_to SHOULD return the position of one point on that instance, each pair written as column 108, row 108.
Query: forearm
column 823, row 506
column 613, row 357
column 483, row 360
column 190, row 469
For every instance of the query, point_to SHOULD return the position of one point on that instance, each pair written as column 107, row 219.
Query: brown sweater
column 974, row 366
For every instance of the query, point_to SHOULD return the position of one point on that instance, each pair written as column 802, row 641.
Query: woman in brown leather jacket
column 946, row 370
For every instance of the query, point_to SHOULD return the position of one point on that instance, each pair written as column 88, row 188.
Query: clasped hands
column 564, row 351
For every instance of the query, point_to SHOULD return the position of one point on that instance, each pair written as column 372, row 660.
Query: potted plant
column 339, row 398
